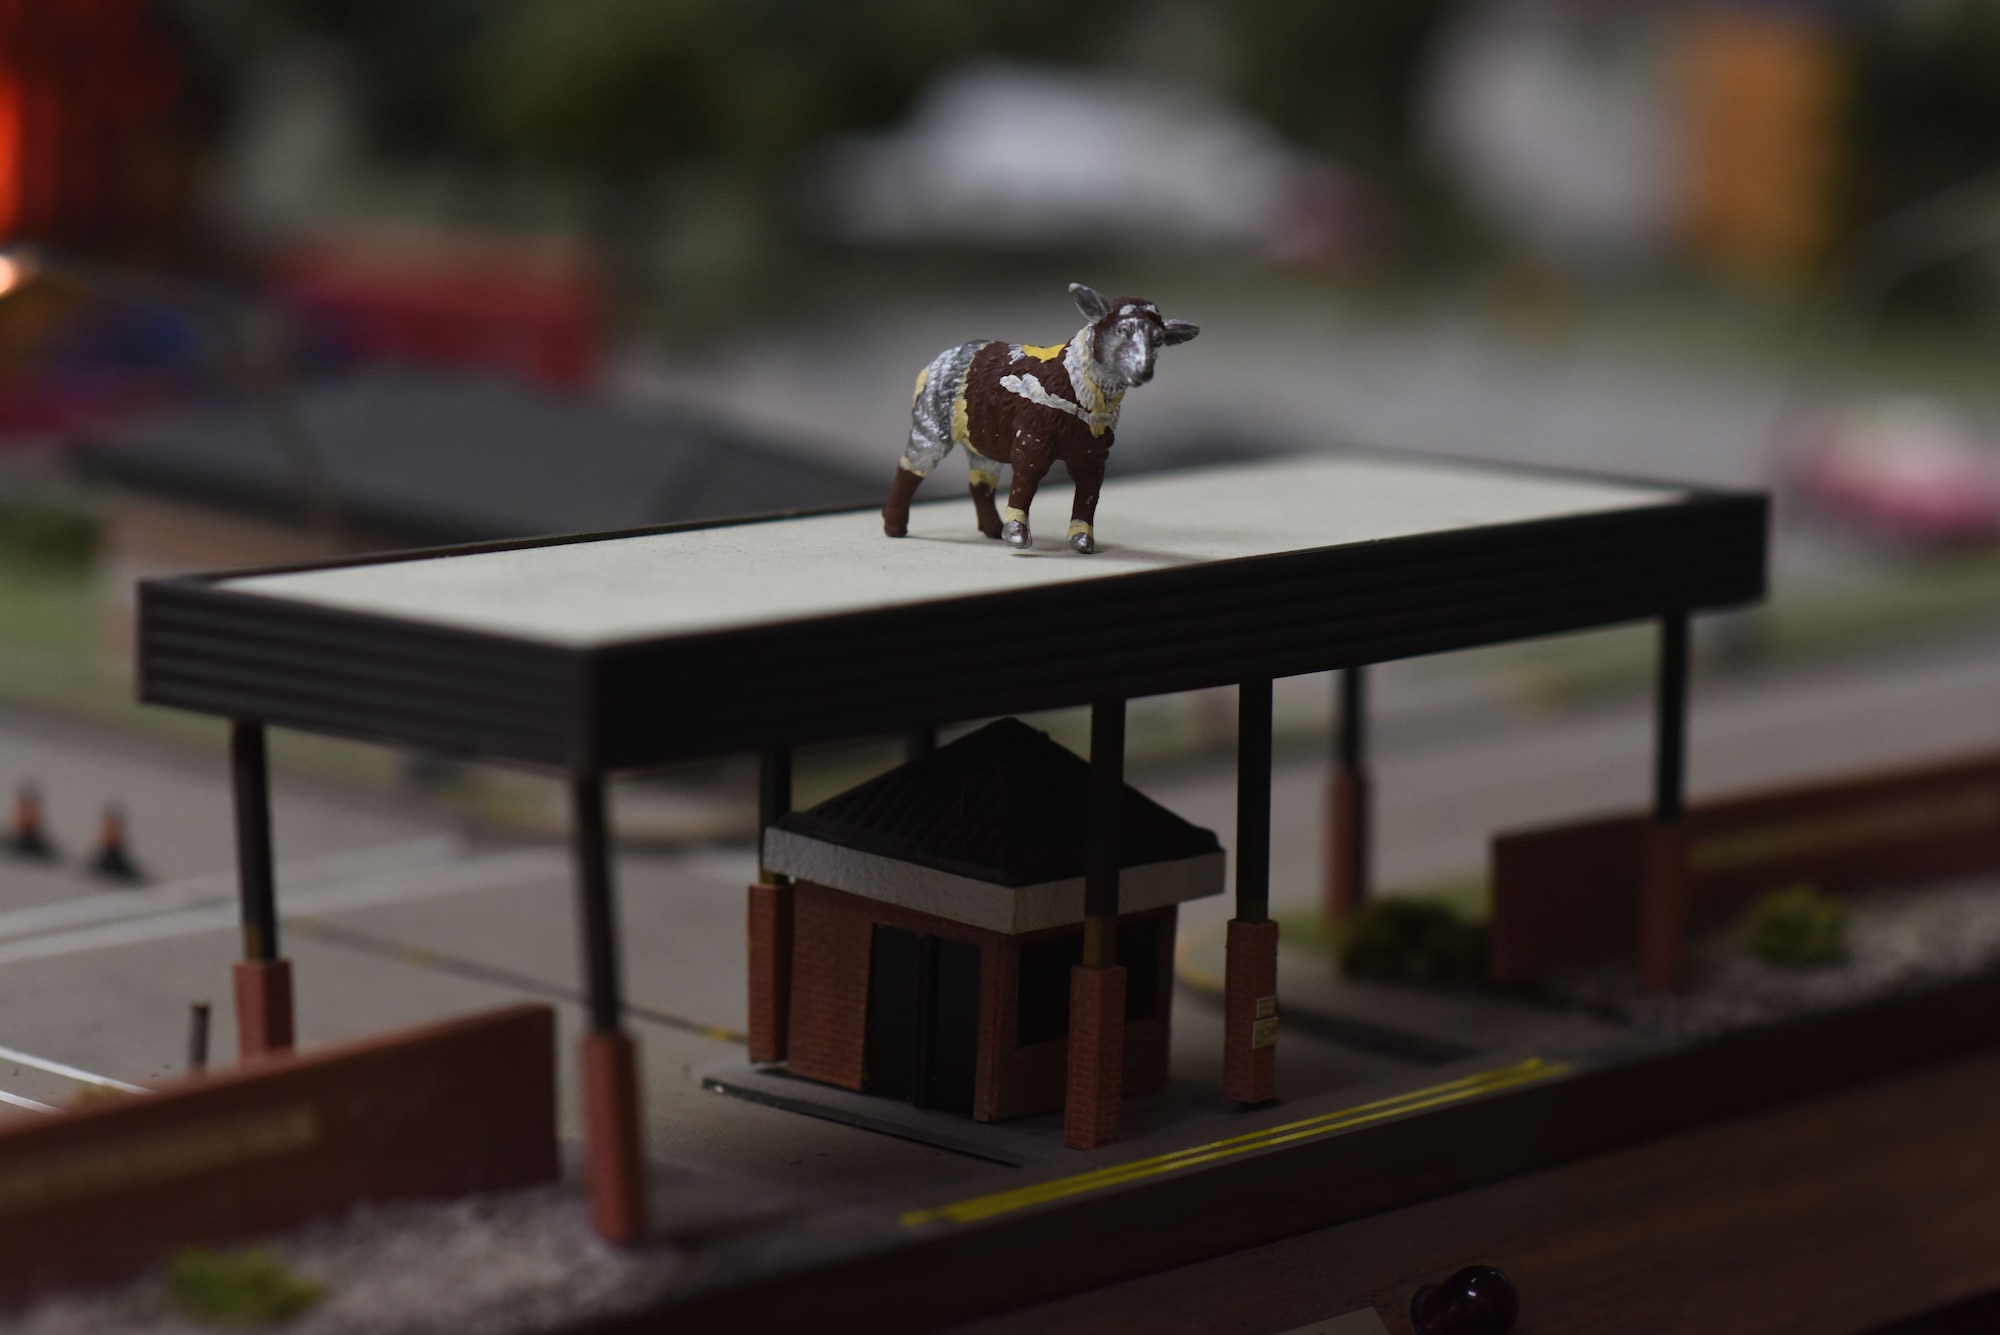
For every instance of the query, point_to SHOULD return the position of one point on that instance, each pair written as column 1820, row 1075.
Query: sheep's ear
column 1090, row 301
column 1179, row 331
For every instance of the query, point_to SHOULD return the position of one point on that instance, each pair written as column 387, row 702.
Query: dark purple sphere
column 1478, row 1300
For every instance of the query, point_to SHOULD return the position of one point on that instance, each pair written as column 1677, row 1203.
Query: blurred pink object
column 1908, row 470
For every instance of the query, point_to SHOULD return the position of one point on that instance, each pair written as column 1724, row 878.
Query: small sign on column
column 1264, row 1030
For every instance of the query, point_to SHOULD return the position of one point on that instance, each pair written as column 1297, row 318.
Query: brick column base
column 1346, row 846
column 263, row 1007
column 770, row 970
column 1096, row 1056
column 1250, row 1013
column 614, row 1150
column 1663, row 907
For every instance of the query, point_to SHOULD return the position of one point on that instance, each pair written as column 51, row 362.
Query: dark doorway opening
column 1043, row 1009
column 922, row 1038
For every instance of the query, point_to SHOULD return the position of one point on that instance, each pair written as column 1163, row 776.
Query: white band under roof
column 976, row 903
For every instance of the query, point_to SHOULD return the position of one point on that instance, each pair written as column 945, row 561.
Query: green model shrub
column 247, row 1288
column 39, row 533
column 1405, row 940
column 1797, row 927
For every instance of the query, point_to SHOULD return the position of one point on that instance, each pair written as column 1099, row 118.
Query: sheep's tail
column 937, row 409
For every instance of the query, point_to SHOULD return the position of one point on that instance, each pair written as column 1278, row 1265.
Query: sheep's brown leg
column 896, row 513
column 1032, row 457
column 1086, row 470
column 984, row 510
column 985, row 474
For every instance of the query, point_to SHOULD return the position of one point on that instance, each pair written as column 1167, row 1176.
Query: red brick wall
column 829, row 1004
column 1570, row 894
column 445, row 1110
column 1032, row 1079
column 1096, row 1049
column 829, row 1018
column 1250, row 994
column 831, row 933
column 770, row 913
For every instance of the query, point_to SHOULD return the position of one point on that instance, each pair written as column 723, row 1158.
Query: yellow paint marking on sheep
column 961, row 423
column 1043, row 354
column 923, row 378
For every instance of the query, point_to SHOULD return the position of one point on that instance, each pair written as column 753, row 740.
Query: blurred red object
column 1912, row 471
column 84, row 88
column 530, row 308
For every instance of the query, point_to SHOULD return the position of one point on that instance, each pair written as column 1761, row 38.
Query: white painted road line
column 199, row 891
column 485, row 873
column 66, row 1071
column 32, row 1105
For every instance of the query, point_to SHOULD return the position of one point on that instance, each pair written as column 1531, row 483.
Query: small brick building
column 936, row 912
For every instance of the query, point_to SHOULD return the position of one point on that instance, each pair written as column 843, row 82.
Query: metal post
column 1663, row 893
column 616, row 1165
column 922, row 1059
column 1353, row 727
column 770, row 919
column 262, row 979
column 774, row 794
column 255, row 878
column 198, row 1038
column 1670, row 705
column 1094, row 1093
column 1348, row 815
column 1103, row 858
column 1250, row 970
column 1253, row 801
column 594, row 902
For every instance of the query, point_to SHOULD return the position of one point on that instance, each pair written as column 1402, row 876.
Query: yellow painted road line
column 1451, row 1091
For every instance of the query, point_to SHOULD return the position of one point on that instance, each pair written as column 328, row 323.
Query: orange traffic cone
column 112, row 862
column 26, row 838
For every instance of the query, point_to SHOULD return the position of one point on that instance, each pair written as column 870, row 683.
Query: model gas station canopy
column 631, row 649
column 606, row 651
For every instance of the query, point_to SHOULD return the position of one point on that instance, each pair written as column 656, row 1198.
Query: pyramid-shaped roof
column 1005, row 805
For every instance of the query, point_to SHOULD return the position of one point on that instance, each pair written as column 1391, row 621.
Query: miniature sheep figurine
column 1029, row 406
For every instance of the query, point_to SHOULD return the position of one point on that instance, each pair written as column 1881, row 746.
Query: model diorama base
column 729, row 1255
column 613, row 652
column 1151, row 1202
column 1900, row 940
column 1016, row 1142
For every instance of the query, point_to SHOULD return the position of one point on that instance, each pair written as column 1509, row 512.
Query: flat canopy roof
column 628, row 649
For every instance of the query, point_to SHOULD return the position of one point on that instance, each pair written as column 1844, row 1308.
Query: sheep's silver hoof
column 1083, row 542
column 1015, row 534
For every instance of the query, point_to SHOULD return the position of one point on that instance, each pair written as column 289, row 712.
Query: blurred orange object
column 1762, row 96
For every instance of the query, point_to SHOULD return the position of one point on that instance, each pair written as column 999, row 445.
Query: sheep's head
column 1127, row 334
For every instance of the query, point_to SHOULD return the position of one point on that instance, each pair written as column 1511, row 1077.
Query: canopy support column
column 1348, row 800
column 1663, row 909
column 1097, row 986
column 1250, row 985
column 610, row 1061
column 771, row 919
column 263, row 979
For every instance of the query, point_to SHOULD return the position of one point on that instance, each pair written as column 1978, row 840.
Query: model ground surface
column 400, row 915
